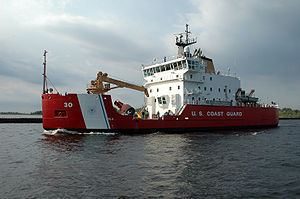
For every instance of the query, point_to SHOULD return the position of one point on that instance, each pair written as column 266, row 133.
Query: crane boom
column 98, row 85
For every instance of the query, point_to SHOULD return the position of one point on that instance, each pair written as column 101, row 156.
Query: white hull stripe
column 104, row 111
column 93, row 111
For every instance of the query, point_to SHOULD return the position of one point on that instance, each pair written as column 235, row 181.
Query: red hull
column 88, row 112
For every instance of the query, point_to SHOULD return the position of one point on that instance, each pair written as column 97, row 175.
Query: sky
column 258, row 40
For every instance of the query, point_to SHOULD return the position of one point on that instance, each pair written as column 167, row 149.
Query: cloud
column 259, row 40
column 105, row 37
column 78, row 47
column 19, row 95
column 256, row 39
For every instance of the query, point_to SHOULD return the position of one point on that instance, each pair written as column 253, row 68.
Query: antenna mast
column 187, row 33
column 183, row 43
column 45, row 87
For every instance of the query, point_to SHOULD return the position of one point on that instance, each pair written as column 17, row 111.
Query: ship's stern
column 61, row 112
column 79, row 112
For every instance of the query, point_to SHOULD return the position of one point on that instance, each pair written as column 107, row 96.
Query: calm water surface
column 241, row 164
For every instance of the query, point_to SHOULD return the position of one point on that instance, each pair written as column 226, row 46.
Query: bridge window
column 192, row 64
column 157, row 69
column 168, row 67
column 175, row 66
column 151, row 71
column 189, row 63
column 172, row 65
column 179, row 65
column 197, row 64
column 184, row 64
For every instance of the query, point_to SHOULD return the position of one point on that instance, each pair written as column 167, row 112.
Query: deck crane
column 102, row 85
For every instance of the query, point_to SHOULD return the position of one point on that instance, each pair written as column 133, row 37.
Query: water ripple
column 235, row 164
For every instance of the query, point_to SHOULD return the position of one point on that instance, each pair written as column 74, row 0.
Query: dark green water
column 241, row 164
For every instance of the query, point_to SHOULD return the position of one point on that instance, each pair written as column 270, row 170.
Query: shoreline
column 21, row 120
column 289, row 118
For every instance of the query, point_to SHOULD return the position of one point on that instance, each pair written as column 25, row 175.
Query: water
column 241, row 164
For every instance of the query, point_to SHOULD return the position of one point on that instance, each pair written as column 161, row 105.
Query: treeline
column 36, row 113
column 18, row 113
column 289, row 113
column 13, row 113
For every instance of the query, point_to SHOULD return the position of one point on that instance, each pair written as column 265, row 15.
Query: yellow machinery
column 102, row 85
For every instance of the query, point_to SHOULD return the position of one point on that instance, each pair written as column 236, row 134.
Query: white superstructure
column 187, row 79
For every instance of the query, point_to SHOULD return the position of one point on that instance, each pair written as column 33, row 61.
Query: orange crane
column 102, row 85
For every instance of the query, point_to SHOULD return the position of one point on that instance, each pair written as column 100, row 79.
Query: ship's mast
column 183, row 43
column 45, row 87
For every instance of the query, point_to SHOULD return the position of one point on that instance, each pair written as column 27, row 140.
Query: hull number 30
column 68, row 104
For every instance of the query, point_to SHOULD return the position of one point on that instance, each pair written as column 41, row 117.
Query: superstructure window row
column 157, row 89
column 176, row 66
column 192, row 64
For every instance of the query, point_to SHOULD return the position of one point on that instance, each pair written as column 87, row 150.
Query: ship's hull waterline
column 93, row 112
